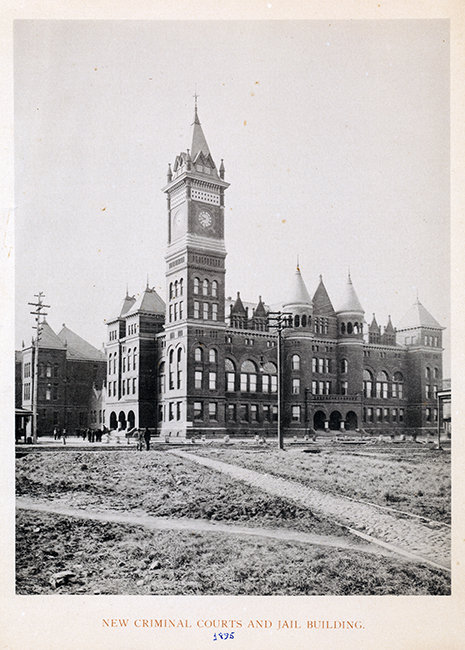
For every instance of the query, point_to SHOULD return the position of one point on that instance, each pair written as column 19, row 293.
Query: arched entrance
column 131, row 420
column 122, row 420
column 319, row 420
column 351, row 421
column 113, row 421
column 335, row 421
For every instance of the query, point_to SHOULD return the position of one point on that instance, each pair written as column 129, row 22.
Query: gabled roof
column 374, row 327
column 260, row 310
column 322, row 305
column 350, row 303
column 199, row 142
column 389, row 327
column 418, row 316
column 149, row 302
column 48, row 339
column 298, row 294
column 77, row 348
column 238, row 307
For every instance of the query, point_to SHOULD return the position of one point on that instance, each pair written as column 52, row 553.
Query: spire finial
column 348, row 272
column 127, row 290
column 195, row 96
column 147, row 280
column 298, row 266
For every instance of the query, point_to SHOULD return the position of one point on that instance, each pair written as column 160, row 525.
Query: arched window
column 171, row 357
column 367, row 383
column 179, row 355
column 180, row 286
column 196, row 285
column 436, row 373
column 109, row 363
column 134, row 358
column 198, row 355
column 55, row 370
column 428, row 372
column 295, row 362
column 171, row 291
column 398, row 385
column 215, row 289
column 304, row 320
column 248, row 377
column 48, row 370
column 205, row 288
column 349, row 328
column 297, row 320
column 269, row 378
column 343, row 328
column 212, row 356
column 176, row 289
column 382, row 384
column 344, row 366
column 230, row 375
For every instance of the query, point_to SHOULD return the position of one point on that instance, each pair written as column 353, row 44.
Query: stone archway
column 319, row 420
column 122, row 420
column 131, row 420
column 335, row 421
column 351, row 421
column 113, row 421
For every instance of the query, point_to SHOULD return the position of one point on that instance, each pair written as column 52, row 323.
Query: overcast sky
column 334, row 135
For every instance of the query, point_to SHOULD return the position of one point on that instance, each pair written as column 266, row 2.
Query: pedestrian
column 140, row 438
column 147, row 438
column 55, row 433
column 64, row 436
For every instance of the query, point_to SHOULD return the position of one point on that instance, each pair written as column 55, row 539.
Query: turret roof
column 350, row 303
column 77, row 348
column 298, row 294
column 418, row 316
column 149, row 301
column 322, row 304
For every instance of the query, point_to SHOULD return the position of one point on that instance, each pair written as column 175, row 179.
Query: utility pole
column 279, row 321
column 38, row 313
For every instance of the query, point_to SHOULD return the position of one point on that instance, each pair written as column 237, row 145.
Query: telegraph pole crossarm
column 280, row 321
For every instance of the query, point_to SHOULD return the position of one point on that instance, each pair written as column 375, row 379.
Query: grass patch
column 416, row 480
column 106, row 558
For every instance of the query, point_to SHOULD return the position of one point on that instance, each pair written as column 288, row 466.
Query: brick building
column 204, row 364
column 68, row 369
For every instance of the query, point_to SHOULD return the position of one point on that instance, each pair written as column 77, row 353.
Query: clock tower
column 192, row 399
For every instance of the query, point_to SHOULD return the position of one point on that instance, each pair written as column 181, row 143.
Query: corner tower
column 195, row 276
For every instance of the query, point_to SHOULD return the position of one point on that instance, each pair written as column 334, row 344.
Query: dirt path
column 196, row 525
column 429, row 541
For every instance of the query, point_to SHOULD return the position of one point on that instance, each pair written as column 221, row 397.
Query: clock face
column 205, row 219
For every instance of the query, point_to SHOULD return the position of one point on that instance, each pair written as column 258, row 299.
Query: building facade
column 204, row 364
column 68, row 369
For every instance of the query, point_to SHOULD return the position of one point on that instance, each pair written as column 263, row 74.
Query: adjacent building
column 68, row 371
